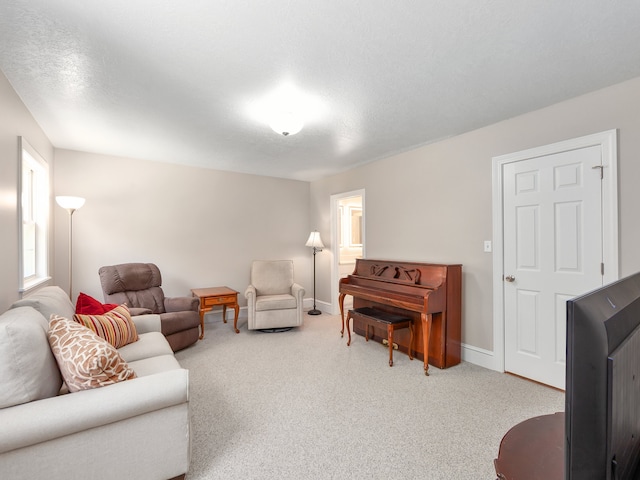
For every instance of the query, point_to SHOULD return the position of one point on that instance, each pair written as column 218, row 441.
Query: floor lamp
column 316, row 242
column 70, row 204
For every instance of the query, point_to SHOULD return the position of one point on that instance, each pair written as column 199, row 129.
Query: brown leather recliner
column 138, row 285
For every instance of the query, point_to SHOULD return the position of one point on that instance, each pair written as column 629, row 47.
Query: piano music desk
column 393, row 322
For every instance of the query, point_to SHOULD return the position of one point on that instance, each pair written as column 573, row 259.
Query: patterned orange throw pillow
column 86, row 361
column 115, row 326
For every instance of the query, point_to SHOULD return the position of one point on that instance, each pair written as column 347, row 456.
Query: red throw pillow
column 87, row 305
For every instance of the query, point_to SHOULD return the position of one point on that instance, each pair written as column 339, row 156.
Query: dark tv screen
column 602, row 402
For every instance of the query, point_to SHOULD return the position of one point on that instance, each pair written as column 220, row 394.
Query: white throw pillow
column 28, row 369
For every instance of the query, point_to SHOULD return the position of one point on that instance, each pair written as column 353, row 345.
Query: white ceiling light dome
column 286, row 109
column 286, row 123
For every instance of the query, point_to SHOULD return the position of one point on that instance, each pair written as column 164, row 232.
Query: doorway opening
column 347, row 238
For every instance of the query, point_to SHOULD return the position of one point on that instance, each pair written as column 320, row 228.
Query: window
column 33, row 212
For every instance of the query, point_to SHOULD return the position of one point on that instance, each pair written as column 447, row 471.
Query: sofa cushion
column 48, row 301
column 151, row 344
column 115, row 326
column 85, row 360
column 150, row 366
column 275, row 302
column 87, row 305
column 136, row 284
column 28, row 369
column 272, row 277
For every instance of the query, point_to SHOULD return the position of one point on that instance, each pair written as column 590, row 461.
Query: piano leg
column 341, row 303
column 411, row 340
column 426, row 332
column 348, row 329
column 390, row 337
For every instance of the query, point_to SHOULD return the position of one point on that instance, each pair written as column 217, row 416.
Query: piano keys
column 429, row 293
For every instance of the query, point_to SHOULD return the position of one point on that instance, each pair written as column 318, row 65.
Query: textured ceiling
column 178, row 81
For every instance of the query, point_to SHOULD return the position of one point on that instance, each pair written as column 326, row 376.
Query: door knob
column 509, row 278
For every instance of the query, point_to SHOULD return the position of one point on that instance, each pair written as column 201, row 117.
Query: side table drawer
column 225, row 299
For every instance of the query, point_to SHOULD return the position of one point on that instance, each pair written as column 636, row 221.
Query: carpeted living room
column 443, row 176
column 301, row 404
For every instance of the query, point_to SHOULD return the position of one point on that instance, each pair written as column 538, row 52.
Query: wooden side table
column 532, row 450
column 217, row 296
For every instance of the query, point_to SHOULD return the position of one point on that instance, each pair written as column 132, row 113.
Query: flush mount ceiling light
column 286, row 123
column 286, row 109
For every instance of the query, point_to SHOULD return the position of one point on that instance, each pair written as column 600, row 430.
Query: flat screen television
column 602, row 401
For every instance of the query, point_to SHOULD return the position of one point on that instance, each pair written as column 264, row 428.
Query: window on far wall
column 33, row 210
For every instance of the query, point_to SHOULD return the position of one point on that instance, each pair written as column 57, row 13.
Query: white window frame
column 38, row 204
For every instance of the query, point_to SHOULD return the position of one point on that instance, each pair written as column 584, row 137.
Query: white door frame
column 607, row 141
column 335, row 244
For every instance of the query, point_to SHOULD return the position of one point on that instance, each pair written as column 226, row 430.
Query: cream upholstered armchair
column 274, row 300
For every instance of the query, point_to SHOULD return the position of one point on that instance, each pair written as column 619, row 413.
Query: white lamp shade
column 70, row 203
column 314, row 240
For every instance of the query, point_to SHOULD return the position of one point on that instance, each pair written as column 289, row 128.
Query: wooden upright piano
column 429, row 293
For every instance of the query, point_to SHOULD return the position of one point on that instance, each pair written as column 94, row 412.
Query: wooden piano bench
column 393, row 322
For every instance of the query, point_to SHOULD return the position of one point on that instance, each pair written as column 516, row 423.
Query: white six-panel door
column 552, row 252
column 555, row 222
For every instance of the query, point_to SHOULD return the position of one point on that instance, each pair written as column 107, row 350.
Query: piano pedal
column 386, row 342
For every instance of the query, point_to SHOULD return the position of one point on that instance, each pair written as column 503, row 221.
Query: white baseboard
column 479, row 356
column 324, row 307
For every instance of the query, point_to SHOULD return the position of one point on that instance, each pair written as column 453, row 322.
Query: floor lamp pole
column 315, row 311
column 70, row 204
column 71, row 210
column 315, row 242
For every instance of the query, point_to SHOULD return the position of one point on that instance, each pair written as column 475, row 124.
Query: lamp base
column 315, row 311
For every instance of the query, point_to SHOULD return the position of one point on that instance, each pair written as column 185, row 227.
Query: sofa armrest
column 147, row 323
column 298, row 292
column 55, row 417
column 139, row 311
column 181, row 304
column 250, row 294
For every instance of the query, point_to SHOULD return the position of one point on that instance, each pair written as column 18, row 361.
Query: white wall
column 434, row 203
column 201, row 227
column 15, row 120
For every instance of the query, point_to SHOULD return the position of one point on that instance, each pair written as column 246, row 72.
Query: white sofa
column 138, row 428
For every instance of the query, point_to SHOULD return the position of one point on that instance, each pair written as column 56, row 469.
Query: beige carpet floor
column 303, row 405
